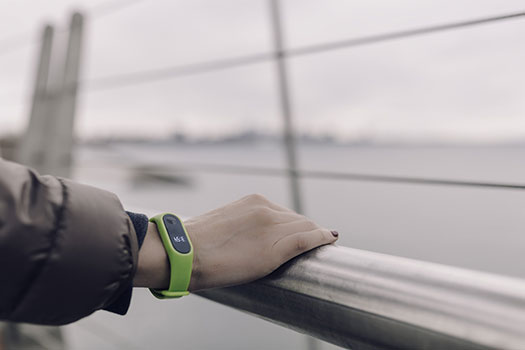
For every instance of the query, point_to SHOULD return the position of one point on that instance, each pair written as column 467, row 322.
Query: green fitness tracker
column 180, row 254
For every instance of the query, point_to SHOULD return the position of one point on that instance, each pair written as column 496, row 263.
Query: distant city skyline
column 463, row 85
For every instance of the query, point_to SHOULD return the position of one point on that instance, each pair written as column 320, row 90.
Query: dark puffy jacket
column 66, row 249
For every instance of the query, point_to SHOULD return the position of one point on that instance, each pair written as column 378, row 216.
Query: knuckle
column 246, row 198
column 322, row 235
column 302, row 217
column 310, row 225
column 325, row 236
column 301, row 244
column 257, row 198
column 264, row 215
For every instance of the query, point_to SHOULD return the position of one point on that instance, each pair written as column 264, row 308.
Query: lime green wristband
column 180, row 254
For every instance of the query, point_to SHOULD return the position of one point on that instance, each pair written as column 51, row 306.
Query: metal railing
column 353, row 298
column 363, row 300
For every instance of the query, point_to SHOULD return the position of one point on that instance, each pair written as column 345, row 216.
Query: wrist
column 195, row 270
column 153, row 269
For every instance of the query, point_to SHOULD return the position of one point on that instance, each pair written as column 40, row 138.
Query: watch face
column 177, row 235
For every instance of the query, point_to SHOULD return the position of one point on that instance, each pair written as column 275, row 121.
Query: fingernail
column 335, row 233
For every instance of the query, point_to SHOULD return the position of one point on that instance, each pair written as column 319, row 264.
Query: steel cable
column 146, row 76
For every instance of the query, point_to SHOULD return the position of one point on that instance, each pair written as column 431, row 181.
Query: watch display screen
column 178, row 237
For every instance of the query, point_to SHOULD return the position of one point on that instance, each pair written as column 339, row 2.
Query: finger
column 279, row 207
column 235, row 205
column 258, row 199
column 298, row 243
column 292, row 226
column 284, row 217
column 269, row 217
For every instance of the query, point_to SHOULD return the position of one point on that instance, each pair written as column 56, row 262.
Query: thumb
column 298, row 243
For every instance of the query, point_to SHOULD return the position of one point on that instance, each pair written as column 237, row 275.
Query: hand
column 246, row 240
column 237, row 243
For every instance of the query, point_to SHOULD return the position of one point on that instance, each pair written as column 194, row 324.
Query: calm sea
column 476, row 228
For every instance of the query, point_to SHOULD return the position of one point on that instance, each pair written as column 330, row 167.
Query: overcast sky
column 466, row 84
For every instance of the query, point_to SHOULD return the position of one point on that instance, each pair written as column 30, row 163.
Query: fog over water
column 458, row 92
column 469, row 227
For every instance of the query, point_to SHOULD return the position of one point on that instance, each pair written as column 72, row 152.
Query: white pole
column 61, row 138
column 30, row 151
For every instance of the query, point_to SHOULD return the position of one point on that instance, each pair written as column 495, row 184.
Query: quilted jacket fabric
column 66, row 249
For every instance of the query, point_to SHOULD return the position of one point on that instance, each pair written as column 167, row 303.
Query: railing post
column 287, row 115
column 285, row 103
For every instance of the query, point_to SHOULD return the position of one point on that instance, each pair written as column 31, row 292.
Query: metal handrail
column 364, row 300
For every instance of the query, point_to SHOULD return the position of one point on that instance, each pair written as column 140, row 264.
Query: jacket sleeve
column 66, row 249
